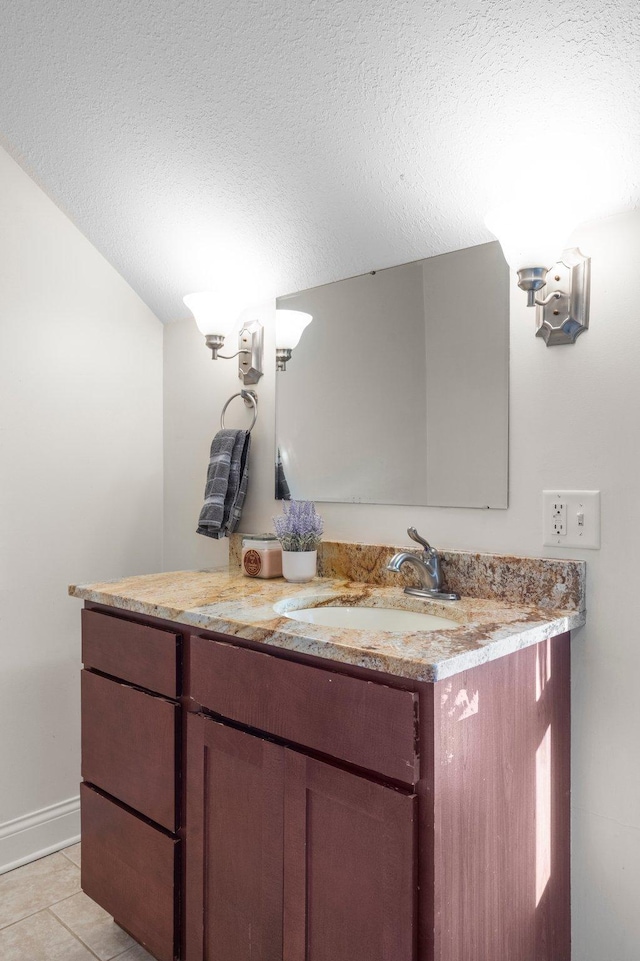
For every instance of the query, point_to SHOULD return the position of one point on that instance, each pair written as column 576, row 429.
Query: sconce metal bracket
column 250, row 344
column 564, row 317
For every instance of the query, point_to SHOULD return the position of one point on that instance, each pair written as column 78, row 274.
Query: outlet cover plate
column 577, row 513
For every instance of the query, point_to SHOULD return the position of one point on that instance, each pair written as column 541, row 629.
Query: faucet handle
column 413, row 534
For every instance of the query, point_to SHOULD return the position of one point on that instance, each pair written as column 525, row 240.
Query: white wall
column 575, row 423
column 80, row 489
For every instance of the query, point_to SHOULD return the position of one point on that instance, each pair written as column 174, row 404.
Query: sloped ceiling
column 270, row 145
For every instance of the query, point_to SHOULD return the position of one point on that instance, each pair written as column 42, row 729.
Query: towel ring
column 251, row 400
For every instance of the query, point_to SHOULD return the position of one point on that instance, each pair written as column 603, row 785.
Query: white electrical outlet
column 571, row 519
column 559, row 517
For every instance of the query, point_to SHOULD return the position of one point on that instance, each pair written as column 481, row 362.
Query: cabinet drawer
column 129, row 745
column 129, row 868
column 142, row 655
column 367, row 724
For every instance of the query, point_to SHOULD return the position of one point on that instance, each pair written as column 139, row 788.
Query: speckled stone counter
column 227, row 602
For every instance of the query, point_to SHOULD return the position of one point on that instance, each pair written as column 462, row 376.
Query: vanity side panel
column 553, row 914
column 501, row 788
column 425, row 839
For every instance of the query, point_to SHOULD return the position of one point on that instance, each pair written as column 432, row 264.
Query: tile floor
column 44, row 916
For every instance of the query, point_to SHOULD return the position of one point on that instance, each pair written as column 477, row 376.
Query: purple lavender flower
column 298, row 528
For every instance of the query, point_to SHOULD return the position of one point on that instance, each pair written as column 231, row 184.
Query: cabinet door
column 234, row 845
column 349, row 866
column 291, row 858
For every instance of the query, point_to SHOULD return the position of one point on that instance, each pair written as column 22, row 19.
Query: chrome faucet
column 427, row 566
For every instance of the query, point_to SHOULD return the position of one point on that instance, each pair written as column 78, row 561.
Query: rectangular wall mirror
column 398, row 392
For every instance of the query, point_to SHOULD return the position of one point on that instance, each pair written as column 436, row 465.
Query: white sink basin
column 370, row 618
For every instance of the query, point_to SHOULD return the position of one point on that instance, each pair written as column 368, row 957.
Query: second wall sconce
column 531, row 246
column 289, row 327
column 216, row 322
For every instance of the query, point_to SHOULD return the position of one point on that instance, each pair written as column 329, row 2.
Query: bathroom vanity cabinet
column 242, row 802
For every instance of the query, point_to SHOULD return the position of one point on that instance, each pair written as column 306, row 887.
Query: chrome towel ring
column 251, row 400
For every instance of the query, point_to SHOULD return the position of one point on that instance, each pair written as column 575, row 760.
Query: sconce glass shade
column 289, row 327
column 211, row 313
column 530, row 237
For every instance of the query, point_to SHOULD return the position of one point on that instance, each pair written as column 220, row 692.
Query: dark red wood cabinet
column 249, row 805
column 291, row 855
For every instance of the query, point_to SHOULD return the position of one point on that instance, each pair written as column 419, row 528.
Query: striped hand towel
column 226, row 487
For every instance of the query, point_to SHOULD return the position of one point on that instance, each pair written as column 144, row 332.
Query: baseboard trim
column 42, row 832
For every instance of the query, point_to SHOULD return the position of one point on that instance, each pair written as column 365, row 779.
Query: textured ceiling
column 271, row 145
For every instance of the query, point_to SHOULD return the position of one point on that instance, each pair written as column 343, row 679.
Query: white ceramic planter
column 299, row 566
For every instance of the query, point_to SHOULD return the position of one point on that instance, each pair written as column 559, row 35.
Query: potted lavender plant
column 299, row 530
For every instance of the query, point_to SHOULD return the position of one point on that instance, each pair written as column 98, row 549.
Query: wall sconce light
column 531, row 245
column 289, row 327
column 216, row 322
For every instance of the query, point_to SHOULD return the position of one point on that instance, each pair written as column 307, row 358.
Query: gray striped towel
column 226, row 487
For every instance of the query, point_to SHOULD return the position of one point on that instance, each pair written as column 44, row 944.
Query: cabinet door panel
column 128, row 867
column 235, row 812
column 129, row 745
column 350, row 878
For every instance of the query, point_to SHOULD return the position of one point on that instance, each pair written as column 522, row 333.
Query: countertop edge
column 508, row 639
column 517, row 641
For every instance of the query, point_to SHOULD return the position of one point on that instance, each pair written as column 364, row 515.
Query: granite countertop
column 227, row 602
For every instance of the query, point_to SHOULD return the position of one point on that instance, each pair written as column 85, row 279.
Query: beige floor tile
column 73, row 853
column 41, row 938
column 35, row 886
column 93, row 926
column 137, row 953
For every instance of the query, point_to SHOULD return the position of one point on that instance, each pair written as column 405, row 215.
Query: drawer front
column 129, row 868
column 142, row 655
column 367, row 724
column 129, row 746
